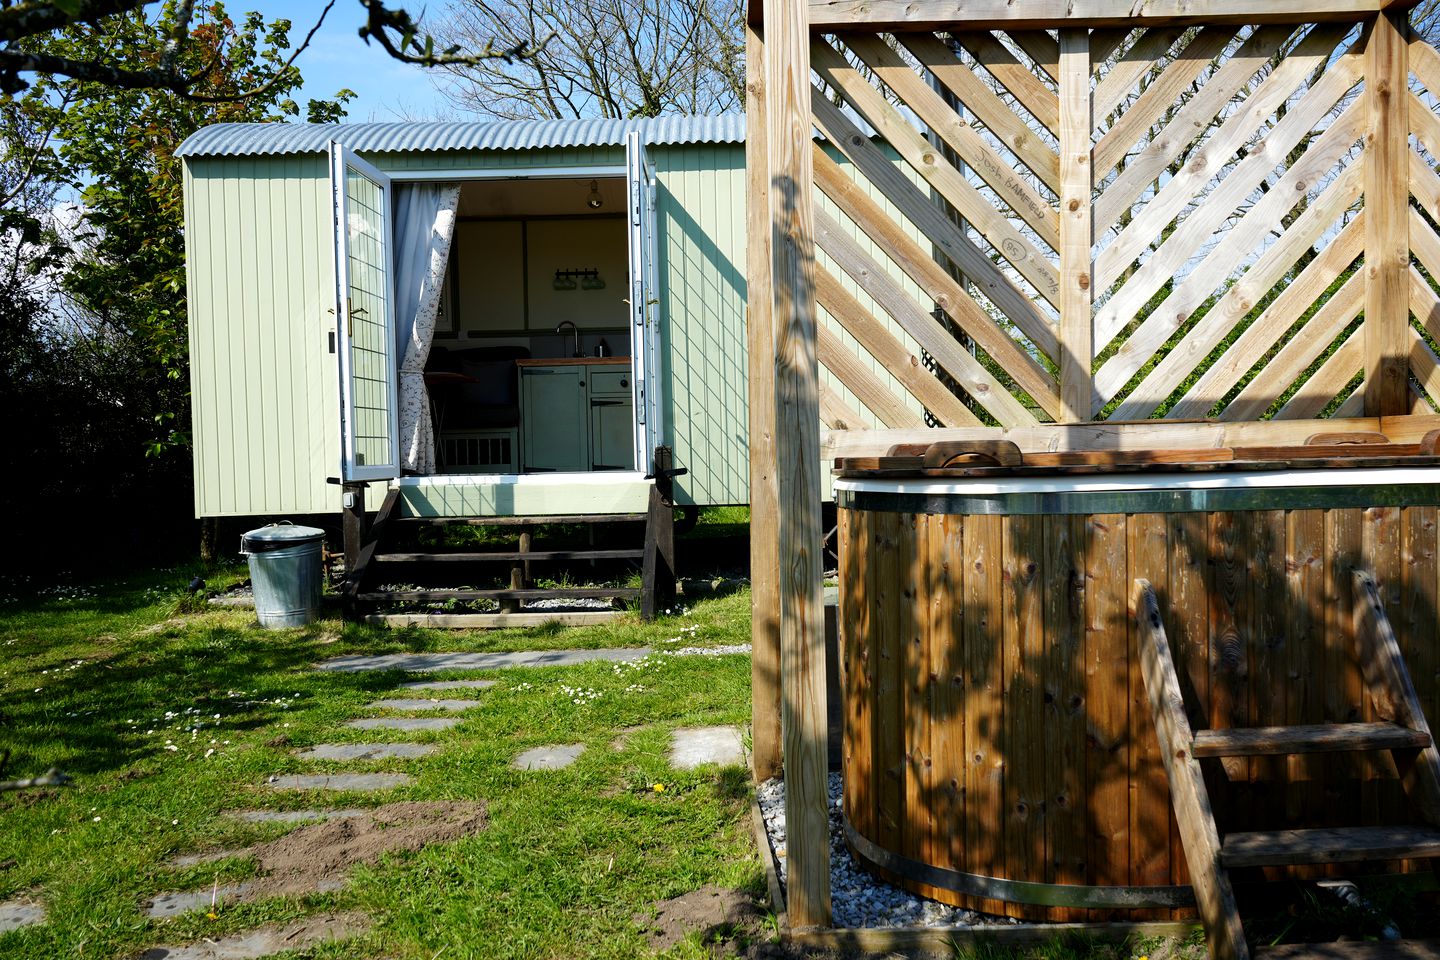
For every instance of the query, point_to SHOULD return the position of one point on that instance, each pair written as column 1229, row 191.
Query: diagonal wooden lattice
column 1188, row 263
column 1424, row 215
column 1188, row 199
column 995, row 274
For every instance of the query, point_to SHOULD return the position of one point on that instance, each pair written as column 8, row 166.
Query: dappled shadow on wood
column 997, row 721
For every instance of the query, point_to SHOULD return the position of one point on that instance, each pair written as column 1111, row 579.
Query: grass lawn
column 166, row 719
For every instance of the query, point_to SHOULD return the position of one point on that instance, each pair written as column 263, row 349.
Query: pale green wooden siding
column 260, row 273
column 447, row 160
column 261, row 281
column 700, row 243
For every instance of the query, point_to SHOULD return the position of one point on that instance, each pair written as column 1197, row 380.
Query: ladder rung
column 509, row 555
column 1310, row 738
column 1330, row 845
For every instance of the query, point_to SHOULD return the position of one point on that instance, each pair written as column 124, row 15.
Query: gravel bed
column 858, row 898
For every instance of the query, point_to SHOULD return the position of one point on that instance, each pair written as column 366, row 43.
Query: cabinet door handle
column 624, row 383
column 607, row 403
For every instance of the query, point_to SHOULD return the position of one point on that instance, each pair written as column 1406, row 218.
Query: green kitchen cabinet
column 555, row 422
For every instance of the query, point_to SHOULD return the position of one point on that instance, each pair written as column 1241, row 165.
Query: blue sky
column 337, row 57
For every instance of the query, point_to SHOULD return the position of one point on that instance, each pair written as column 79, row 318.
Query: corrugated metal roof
column 258, row 139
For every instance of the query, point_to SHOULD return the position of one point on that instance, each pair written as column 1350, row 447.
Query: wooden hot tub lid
column 992, row 458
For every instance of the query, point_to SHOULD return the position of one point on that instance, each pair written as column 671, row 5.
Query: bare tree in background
column 603, row 58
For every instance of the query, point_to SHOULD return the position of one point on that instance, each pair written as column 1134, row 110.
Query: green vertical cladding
column 264, row 385
column 261, row 280
column 700, row 244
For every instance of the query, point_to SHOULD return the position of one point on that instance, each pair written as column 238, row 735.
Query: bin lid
column 278, row 536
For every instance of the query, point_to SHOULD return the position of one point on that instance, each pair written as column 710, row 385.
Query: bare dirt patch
column 319, row 856
column 723, row 917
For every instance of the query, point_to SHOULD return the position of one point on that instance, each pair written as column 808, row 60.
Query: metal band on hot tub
column 1166, row 493
column 1013, row 891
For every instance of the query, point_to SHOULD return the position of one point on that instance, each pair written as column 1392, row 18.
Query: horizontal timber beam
column 1131, row 435
column 829, row 15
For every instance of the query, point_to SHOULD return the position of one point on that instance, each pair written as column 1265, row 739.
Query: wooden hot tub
column 998, row 747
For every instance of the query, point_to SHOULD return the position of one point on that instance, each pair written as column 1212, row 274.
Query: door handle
column 607, row 403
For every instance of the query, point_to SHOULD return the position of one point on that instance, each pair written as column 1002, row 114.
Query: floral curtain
column 424, row 228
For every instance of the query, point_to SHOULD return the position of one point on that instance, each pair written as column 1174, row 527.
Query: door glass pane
column 370, row 348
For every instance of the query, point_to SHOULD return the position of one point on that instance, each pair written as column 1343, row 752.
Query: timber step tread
column 522, row 521
column 536, row 593
column 1328, row 845
column 633, row 554
column 1354, row 950
column 1307, row 738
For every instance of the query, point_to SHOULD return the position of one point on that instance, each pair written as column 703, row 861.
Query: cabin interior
column 530, row 368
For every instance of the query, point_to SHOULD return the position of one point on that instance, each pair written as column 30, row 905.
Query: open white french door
column 644, row 300
column 365, row 321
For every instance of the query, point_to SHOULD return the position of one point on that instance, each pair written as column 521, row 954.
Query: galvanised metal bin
column 286, row 573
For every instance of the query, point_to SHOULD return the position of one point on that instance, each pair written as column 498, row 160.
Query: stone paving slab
column 449, row 685
column 414, row 703
column 549, row 758
column 293, row 816
column 196, row 859
column 339, row 781
column 421, row 662
column 367, row 751
column 403, row 723
column 691, row 747
column 265, row 941
column 176, row 902
column 15, row 914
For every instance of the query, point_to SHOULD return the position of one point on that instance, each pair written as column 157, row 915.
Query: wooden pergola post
column 1387, row 225
column 760, row 331
column 790, row 175
column 1077, row 332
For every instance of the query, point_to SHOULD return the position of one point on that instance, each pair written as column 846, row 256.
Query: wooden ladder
column 1402, row 730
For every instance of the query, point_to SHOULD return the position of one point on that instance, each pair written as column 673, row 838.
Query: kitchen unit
column 576, row 414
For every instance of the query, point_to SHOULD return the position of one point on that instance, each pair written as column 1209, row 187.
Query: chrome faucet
column 573, row 329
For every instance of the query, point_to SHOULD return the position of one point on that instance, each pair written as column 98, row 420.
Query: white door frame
column 342, row 160
column 644, row 304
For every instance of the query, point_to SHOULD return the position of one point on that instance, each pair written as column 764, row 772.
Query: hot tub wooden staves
column 999, row 751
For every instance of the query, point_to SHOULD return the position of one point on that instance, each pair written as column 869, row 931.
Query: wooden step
column 1354, row 950
column 511, row 555
column 1310, row 738
column 536, row 593
column 1331, row 845
column 522, row 521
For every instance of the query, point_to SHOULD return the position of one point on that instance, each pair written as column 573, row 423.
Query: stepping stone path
column 694, row 746
column 367, row 751
column 416, row 704
column 15, row 914
column 363, row 782
column 449, row 685
column 549, row 758
column 265, row 941
column 183, row 901
column 403, row 723
column 196, row 859
column 293, row 816
column 422, row 662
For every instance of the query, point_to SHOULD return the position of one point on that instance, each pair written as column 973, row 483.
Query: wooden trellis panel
column 1168, row 221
